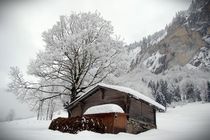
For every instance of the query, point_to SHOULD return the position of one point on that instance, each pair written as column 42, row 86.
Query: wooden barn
column 137, row 114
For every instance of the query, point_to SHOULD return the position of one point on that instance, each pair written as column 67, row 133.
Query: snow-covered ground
column 191, row 121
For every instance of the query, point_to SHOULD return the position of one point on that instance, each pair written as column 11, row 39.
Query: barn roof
column 132, row 93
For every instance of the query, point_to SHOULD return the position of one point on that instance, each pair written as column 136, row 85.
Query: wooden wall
column 114, row 122
column 100, row 97
column 120, row 122
column 141, row 110
column 141, row 116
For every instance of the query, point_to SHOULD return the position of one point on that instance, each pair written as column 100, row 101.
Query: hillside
column 186, row 40
column 183, row 122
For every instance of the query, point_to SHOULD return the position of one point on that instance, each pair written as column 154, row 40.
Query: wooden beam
column 155, row 118
column 127, row 105
column 102, row 93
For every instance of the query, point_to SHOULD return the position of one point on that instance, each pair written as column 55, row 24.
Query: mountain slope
column 180, row 41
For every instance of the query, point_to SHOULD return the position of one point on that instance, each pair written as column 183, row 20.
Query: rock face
column 156, row 62
column 180, row 42
column 202, row 59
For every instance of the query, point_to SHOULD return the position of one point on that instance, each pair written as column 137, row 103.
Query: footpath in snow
column 187, row 122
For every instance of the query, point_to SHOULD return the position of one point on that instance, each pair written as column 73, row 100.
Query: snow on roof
column 134, row 93
column 107, row 108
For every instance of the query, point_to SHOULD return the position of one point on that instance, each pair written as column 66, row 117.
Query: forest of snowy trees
column 166, row 93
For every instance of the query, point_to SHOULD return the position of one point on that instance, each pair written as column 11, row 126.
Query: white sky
column 22, row 23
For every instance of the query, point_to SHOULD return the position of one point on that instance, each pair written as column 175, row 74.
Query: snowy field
column 191, row 121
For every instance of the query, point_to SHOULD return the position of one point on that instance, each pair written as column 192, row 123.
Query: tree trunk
column 69, row 114
column 73, row 94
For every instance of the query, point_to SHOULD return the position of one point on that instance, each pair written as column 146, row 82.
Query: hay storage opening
column 111, row 115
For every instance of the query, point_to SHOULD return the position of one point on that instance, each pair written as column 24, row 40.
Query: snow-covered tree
column 80, row 50
column 160, row 98
column 154, row 87
column 163, row 88
column 10, row 115
column 158, row 91
column 175, row 92
column 191, row 92
column 202, row 87
column 208, row 91
column 197, row 94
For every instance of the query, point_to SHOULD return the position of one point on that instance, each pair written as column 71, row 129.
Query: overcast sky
column 22, row 23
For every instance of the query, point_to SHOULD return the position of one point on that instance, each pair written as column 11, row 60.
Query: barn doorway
column 112, row 117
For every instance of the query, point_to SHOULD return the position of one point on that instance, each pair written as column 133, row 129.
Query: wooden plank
column 120, row 122
column 135, row 108
column 114, row 122
column 141, row 111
